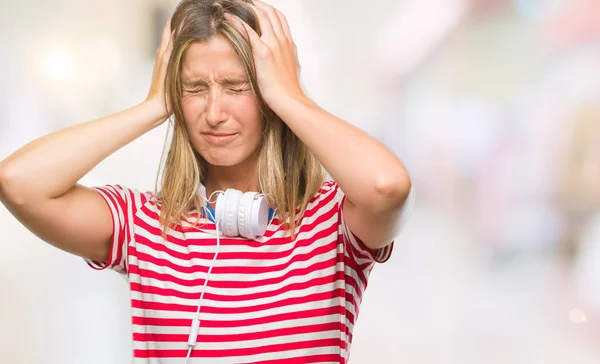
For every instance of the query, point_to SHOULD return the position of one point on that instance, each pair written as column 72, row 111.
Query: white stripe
column 232, row 316
column 237, row 330
column 247, row 358
column 245, row 316
column 244, row 344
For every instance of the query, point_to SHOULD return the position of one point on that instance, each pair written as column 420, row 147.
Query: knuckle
column 262, row 12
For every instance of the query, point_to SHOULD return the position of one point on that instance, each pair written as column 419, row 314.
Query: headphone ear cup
column 227, row 211
column 260, row 216
column 245, row 215
column 220, row 208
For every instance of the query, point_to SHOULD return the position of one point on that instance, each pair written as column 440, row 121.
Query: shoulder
column 125, row 197
column 326, row 198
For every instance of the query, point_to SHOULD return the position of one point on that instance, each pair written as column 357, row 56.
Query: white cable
column 194, row 328
column 211, row 195
column 188, row 355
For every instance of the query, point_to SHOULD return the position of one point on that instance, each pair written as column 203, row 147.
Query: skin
column 374, row 180
column 38, row 182
column 221, row 113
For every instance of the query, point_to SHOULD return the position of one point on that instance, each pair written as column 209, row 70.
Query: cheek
column 247, row 112
column 192, row 107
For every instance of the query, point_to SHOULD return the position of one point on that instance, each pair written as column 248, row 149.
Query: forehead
column 214, row 58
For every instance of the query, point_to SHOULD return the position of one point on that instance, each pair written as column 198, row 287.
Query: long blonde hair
column 287, row 171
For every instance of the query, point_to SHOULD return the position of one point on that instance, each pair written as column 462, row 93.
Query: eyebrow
column 228, row 81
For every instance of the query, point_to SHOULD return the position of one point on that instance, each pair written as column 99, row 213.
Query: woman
column 288, row 292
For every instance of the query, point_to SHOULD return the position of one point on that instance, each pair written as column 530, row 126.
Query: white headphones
column 236, row 213
column 245, row 214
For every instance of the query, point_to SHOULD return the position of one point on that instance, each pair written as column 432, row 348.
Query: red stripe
column 238, row 352
column 172, row 338
column 326, row 280
column 297, row 315
column 178, row 322
column 315, row 297
column 323, row 358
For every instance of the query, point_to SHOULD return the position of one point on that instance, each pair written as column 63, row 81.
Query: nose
column 214, row 109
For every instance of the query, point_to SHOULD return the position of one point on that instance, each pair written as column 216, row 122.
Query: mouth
column 219, row 138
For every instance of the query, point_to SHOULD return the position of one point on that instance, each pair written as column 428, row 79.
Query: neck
column 241, row 177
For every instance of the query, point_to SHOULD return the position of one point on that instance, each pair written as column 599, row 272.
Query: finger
column 271, row 13
column 244, row 28
column 170, row 45
column 166, row 36
column 266, row 27
column 284, row 25
column 182, row 24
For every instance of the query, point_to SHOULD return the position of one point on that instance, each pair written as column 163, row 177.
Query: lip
column 219, row 138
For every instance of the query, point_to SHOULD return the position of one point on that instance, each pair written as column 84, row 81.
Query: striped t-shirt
column 269, row 300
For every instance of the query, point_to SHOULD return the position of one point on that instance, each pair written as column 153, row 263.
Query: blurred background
column 494, row 106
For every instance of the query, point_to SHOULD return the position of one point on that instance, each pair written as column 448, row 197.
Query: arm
column 38, row 183
column 374, row 180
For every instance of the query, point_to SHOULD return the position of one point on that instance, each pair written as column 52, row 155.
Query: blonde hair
column 287, row 171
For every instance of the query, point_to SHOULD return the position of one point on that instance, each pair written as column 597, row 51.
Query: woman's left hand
column 274, row 53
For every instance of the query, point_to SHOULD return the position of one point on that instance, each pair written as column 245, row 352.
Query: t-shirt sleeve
column 123, row 204
column 355, row 247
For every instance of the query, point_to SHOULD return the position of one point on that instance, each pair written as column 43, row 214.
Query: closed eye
column 195, row 91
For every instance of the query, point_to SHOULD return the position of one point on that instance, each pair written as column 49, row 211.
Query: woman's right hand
column 157, row 87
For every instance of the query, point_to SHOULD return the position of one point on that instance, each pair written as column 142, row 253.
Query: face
column 221, row 114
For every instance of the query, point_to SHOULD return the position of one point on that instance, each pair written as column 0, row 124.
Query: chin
column 224, row 158
column 223, row 162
